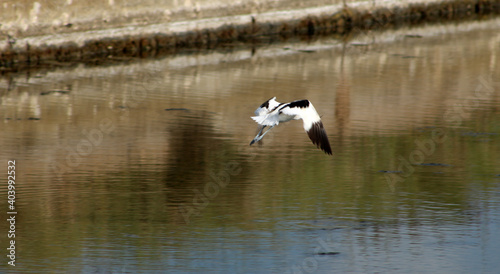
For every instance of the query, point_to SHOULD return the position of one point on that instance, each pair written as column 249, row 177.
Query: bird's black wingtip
column 318, row 136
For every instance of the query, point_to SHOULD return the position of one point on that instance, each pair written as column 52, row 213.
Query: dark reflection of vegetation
column 196, row 153
column 190, row 146
column 195, row 148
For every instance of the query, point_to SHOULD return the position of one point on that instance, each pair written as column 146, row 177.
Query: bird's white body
column 271, row 113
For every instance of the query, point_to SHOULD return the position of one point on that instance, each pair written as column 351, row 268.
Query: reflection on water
column 146, row 166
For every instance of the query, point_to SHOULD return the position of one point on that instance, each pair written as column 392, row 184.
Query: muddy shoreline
column 248, row 30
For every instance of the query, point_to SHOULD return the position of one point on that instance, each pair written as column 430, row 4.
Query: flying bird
column 271, row 113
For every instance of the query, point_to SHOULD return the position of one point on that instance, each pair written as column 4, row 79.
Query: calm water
column 109, row 181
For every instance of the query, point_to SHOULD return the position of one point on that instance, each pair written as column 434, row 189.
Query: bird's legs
column 256, row 139
column 259, row 137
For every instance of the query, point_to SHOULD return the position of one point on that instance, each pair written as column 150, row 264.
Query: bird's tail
column 263, row 120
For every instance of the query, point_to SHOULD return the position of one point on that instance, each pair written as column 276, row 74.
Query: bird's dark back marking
column 280, row 106
column 266, row 103
column 299, row 104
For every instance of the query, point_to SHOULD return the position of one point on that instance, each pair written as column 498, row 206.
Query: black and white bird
column 271, row 113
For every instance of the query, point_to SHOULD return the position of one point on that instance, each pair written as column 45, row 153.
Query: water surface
column 145, row 166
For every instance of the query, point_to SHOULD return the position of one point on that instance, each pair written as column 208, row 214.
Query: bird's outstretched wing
column 303, row 109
